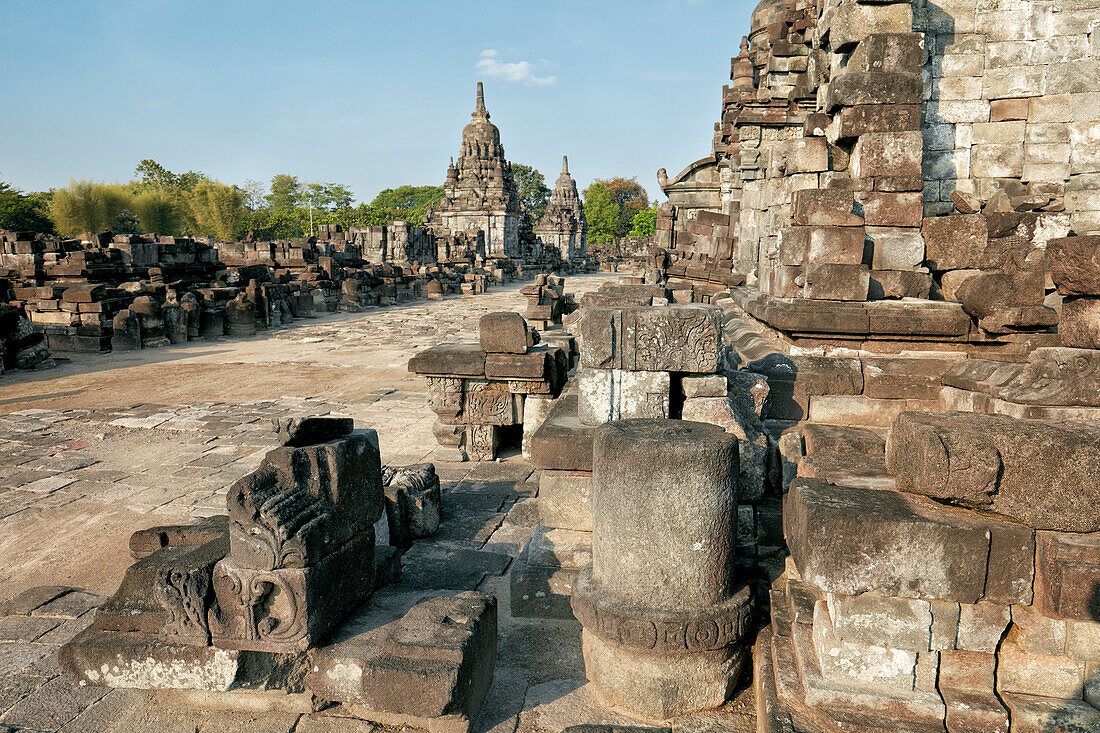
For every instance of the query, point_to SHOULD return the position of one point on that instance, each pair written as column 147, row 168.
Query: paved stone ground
column 108, row 444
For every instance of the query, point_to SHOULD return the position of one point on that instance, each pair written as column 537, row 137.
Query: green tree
column 286, row 192
column 158, row 210
column 630, row 197
column 602, row 213
column 255, row 194
column 218, row 209
column 154, row 175
column 404, row 203
column 24, row 212
column 532, row 190
column 644, row 223
column 127, row 223
column 88, row 206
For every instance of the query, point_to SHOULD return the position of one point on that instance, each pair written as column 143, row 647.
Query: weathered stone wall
column 1012, row 102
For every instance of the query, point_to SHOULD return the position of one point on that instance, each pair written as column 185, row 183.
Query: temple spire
column 481, row 101
column 565, row 164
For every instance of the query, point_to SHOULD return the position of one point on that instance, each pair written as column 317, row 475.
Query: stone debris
column 256, row 601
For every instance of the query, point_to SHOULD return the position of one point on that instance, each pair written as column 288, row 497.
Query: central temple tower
column 480, row 193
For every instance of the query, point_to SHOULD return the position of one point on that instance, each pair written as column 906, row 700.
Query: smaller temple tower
column 563, row 226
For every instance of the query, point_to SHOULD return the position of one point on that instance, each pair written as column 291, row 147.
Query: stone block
column 794, row 245
column 708, row 385
column 896, row 248
column 536, row 408
column 483, row 440
column 1035, row 633
column 145, row 542
column 899, row 284
column 1083, row 640
column 852, row 541
column 1044, row 475
column 966, row 682
column 982, row 625
column 431, row 666
column 887, row 154
column 957, row 242
column 895, row 377
column 414, row 502
column 1079, row 326
column 861, row 22
column 882, row 209
column 301, row 431
column 166, row 593
column 1067, row 575
column 565, row 500
column 563, row 442
column 807, row 155
column 289, row 609
column 681, row 338
column 1038, row 713
column 852, row 122
column 836, row 282
column 143, row 661
column 850, row 664
column 504, row 333
column 852, row 88
column 488, row 404
column 466, row 360
column 832, row 207
column 997, row 160
column 84, row 293
column 304, row 503
column 540, row 362
column 873, row 620
column 889, row 52
column 1074, row 264
column 617, row 394
column 835, row 246
column 1038, row 674
column 819, row 438
column 736, row 418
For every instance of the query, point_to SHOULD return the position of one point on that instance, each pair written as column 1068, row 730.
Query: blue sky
column 369, row 94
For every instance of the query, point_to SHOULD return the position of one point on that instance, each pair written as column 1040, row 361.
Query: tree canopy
column 89, row 206
column 158, row 200
column 24, row 212
column 644, row 223
column 532, row 190
column 611, row 206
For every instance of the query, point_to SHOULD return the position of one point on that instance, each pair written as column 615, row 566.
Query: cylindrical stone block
column 663, row 614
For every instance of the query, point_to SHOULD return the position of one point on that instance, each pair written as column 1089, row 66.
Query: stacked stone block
column 478, row 391
column 547, row 301
column 936, row 601
column 1075, row 270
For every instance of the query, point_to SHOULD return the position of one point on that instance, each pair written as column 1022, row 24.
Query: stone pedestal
column 663, row 614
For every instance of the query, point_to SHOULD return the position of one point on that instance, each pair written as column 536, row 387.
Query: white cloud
column 490, row 65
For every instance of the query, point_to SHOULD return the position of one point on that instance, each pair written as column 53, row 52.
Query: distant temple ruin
column 563, row 226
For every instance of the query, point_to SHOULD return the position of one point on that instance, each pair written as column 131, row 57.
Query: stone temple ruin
column 827, row 459
column 482, row 208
